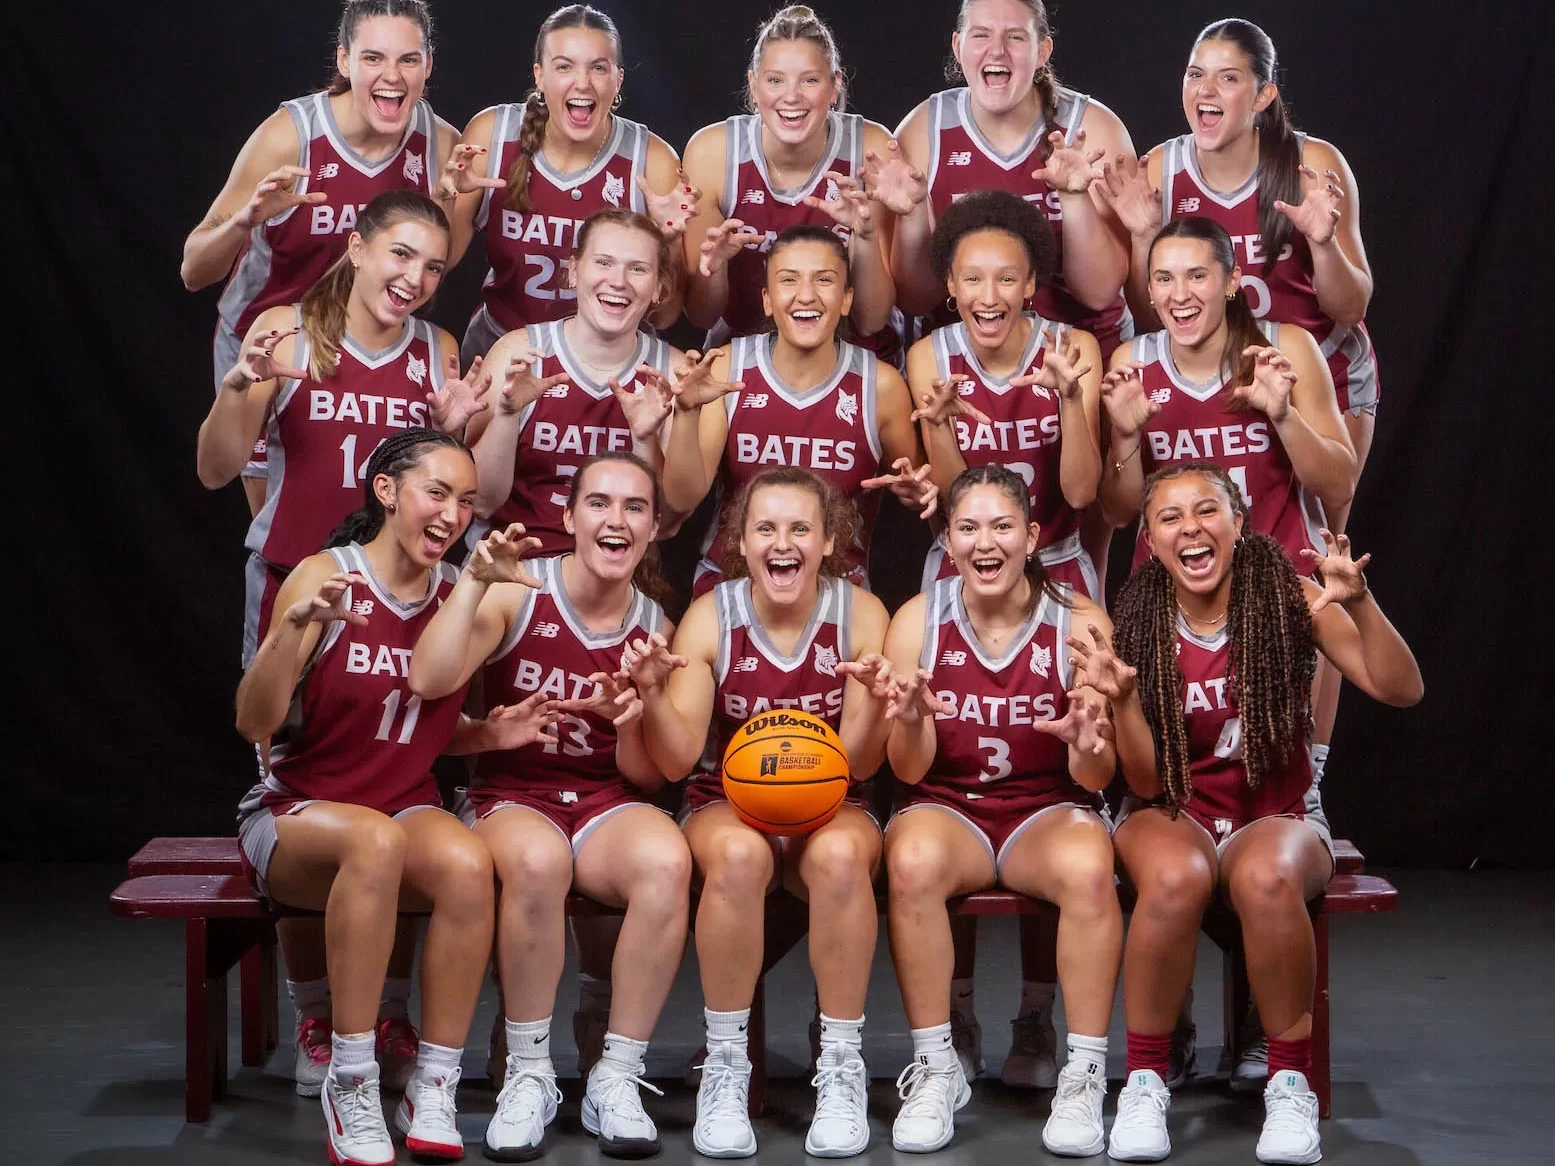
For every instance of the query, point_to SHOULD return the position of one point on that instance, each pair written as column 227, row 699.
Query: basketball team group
column 1000, row 315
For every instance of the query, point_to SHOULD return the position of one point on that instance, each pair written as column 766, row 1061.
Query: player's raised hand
column 459, row 175
column 518, row 387
column 1125, row 188
column 849, row 209
column 1317, row 214
column 722, row 243
column 613, row 698
column 1069, row 168
column 1098, row 667
column 648, row 663
column 1123, row 395
column 944, row 400
column 275, row 196
column 461, row 397
column 694, row 382
column 647, row 407
column 258, row 363
column 873, row 671
column 672, row 210
column 913, row 488
column 913, row 698
column 894, row 182
column 1061, row 369
column 330, row 602
column 499, row 557
column 1080, row 726
column 1270, row 388
column 530, row 721
column 1344, row 578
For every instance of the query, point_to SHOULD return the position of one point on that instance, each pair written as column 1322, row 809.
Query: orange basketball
column 785, row 772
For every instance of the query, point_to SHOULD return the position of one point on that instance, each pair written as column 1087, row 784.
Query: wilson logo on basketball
column 784, row 721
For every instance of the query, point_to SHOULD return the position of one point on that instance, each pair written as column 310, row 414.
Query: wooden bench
column 201, row 881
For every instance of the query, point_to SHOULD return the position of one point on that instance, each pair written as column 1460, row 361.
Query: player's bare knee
column 835, row 859
column 1176, row 893
column 917, row 868
column 376, row 849
column 741, row 862
column 1264, row 883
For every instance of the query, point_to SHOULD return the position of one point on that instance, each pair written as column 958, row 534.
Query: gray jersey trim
column 1211, row 643
column 555, row 344
column 1156, row 347
column 842, row 131
column 1042, row 613
column 869, row 369
column 516, row 630
column 959, row 343
column 353, row 557
column 607, row 149
column 505, row 128
column 420, row 118
column 551, row 575
column 846, row 362
column 388, row 354
column 742, row 610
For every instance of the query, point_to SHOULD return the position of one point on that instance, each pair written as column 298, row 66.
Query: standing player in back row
column 296, row 189
column 527, row 174
column 795, row 159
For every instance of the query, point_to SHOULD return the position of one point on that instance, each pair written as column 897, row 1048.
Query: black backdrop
column 120, row 123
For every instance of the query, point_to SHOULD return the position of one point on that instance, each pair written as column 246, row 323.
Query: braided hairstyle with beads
column 1272, row 654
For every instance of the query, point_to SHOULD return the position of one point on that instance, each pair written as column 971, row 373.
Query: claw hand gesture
column 672, row 210
column 1061, row 368
column 1344, row 578
column 1273, row 379
column 520, row 387
column 1123, row 394
column 1317, row 215
column 1070, row 168
column 850, row 209
column 273, row 196
column 912, row 488
column 1097, row 666
column 873, row 671
column 944, row 401
column 723, row 243
column 647, row 664
column 258, row 363
column 913, row 698
column 694, row 383
column 1125, row 188
column 460, row 398
column 499, row 557
column 613, row 698
column 1081, row 726
column 458, row 177
column 894, row 182
column 646, row 409
column 531, row 721
column 330, row 602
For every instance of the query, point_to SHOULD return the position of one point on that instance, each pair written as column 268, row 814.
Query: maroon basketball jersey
column 1221, row 798
column 1281, row 291
column 832, row 430
column 571, row 422
column 962, row 160
column 288, row 254
column 750, row 196
column 527, row 250
column 355, row 732
column 548, row 649
column 753, row 676
column 1196, row 424
column 322, row 433
column 985, row 745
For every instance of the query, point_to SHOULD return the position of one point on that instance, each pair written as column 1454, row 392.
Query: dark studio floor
column 1444, row 1043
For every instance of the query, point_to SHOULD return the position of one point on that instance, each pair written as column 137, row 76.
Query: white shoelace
column 539, row 1085
column 1137, row 1098
column 1079, row 1096
column 924, row 1091
column 840, row 1089
column 437, row 1096
column 619, row 1091
column 1258, row 1052
column 1289, row 1112
column 724, row 1087
column 361, row 1113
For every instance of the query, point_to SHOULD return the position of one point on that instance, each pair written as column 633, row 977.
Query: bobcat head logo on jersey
column 832, row 193
column 1162, row 395
column 1040, row 391
column 1041, row 660
column 1187, row 206
column 847, row 407
column 416, row 370
column 615, row 187
column 952, row 658
column 413, row 168
column 825, row 660
column 745, row 664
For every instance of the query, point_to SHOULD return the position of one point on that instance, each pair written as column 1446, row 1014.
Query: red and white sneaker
column 313, row 1050
column 427, row 1118
column 396, row 1046
column 353, row 1119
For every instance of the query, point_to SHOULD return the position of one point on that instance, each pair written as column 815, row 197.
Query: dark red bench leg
column 205, row 1024
column 1322, row 1073
column 256, row 995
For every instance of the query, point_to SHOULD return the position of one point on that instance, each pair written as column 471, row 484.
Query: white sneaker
column 613, row 1112
column 723, row 1125
column 930, row 1098
column 966, row 1037
column 1139, row 1130
column 427, row 1118
column 1252, row 1061
column 1033, row 1059
column 1290, row 1121
column 1074, row 1128
column 353, row 1117
column 313, row 1049
column 526, row 1105
column 840, row 1127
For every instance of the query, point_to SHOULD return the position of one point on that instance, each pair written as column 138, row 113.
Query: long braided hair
column 1272, row 655
column 394, row 456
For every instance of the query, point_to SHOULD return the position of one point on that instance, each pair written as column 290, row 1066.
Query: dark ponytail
column 1279, row 150
column 1006, row 479
column 531, row 131
column 393, row 457
column 356, row 11
column 1242, row 330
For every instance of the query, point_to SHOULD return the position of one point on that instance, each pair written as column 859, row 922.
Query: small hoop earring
column 950, row 303
column 389, row 507
column 616, row 104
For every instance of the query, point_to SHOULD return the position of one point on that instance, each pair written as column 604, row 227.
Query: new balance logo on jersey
column 745, row 664
column 363, row 607
column 1162, row 395
column 965, row 388
column 754, row 400
column 952, row 658
column 754, row 197
column 847, row 407
column 416, row 370
column 1041, row 659
column 959, row 158
column 825, row 660
column 328, row 170
column 556, row 392
column 1187, row 206
column 832, row 193
column 615, row 187
column 413, row 168
column 548, row 631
